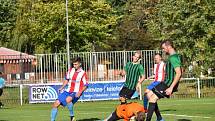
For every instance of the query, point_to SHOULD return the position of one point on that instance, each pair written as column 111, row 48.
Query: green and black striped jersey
column 133, row 72
column 172, row 62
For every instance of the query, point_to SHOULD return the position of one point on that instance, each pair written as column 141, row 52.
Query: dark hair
column 167, row 43
column 158, row 54
column 140, row 116
column 138, row 52
column 77, row 59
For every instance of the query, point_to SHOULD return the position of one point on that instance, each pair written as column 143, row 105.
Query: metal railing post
column 20, row 90
column 198, row 88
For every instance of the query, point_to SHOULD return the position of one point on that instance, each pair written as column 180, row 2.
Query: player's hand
column 60, row 90
column 169, row 91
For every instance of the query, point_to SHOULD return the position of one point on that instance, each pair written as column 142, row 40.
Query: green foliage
column 190, row 24
column 131, row 30
column 7, row 20
column 42, row 24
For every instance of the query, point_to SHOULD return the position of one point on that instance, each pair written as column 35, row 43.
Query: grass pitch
column 171, row 110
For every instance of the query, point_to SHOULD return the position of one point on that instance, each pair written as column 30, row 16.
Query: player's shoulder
column 175, row 56
column 128, row 63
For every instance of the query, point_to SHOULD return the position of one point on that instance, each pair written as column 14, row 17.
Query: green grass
column 171, row 109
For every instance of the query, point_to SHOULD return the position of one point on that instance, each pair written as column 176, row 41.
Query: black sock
column 151, row 109
column 71, row 117
column 157, row 112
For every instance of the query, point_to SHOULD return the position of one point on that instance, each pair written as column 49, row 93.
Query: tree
column 131, row 31
column 7, row 20
column 42, row 23
column 190, row 25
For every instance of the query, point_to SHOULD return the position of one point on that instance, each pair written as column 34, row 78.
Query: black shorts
column 1, row 91
column 113, row 117
column 126, row 93
column 159, row 90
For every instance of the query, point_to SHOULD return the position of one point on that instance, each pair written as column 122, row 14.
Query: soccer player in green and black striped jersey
column 134, row 77
column 170, row 84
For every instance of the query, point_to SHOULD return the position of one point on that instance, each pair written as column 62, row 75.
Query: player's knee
column 146, row 91
column 68, row 99
column 153, row 98
column 149, row 94
column 56, row 104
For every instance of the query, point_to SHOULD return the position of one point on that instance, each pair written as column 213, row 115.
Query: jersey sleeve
column 126, row 67
column 67, row 74
column 85, row 79
column 175, row 61
column 141, row 69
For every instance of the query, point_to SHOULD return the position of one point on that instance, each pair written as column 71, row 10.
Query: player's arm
column 142, row 75
column 80, row 92
column 85, row 82
column 177, row 67
column 175, row 81
column 65, row 82
column 141, row 79
column 123, row 72
column 151, row 77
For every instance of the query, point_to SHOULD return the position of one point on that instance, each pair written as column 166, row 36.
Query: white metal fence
column 51, row 68
column 19, row 71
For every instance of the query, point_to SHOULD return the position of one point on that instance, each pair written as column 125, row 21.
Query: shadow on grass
column 167, row 110
column 3, row 109
column 184, row 120
column 4, row 120
column 90, row 119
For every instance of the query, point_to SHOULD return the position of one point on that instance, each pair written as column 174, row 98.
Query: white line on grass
column 95, row 112
column 186, row 116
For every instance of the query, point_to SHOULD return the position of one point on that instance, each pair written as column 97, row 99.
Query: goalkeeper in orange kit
column 127, row 111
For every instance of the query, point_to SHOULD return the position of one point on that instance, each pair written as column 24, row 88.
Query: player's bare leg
column 54, row 110
column 153, row 107
column 70, row 107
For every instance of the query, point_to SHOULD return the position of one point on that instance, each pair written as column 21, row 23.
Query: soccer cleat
column 73, row 119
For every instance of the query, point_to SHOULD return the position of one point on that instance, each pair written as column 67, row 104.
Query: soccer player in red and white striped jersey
column 77, row 79
column 74, row 85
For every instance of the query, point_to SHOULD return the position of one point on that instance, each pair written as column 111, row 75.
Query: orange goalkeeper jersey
column 126, row 111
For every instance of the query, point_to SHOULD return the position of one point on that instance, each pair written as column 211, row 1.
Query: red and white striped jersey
column 159, row 71
column 77, row 80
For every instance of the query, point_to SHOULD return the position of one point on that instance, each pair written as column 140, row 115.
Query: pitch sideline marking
column 162, row 114
column 186, row 116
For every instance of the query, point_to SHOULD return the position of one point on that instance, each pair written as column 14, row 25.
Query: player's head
column 157, row 58
column 167, row 46
column 136, row 57
column 76, row 62
column 140, row 116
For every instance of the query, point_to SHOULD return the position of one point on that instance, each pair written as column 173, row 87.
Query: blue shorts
column 153, row 84
column 62, row 97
